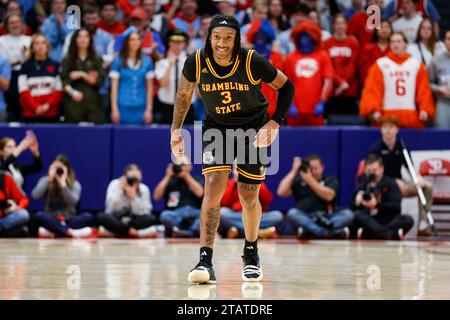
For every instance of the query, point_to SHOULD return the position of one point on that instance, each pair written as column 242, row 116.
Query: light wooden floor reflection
column 157, row 269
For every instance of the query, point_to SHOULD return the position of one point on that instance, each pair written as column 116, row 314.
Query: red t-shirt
column 308, row 73
column 11, row 191
column 369, row 54
column 115, row 29
column 344, row 57
column 358, row 27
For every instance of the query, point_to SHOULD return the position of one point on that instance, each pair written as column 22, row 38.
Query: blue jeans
column 174, row 218
column 46, row 220
column 306, row 220
column 14, row 219
column 230, row 218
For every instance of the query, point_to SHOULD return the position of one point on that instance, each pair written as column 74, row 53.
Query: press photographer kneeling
column 128, row 206
column 377, row 205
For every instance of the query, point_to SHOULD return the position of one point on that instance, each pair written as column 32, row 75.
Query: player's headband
column 225, row 21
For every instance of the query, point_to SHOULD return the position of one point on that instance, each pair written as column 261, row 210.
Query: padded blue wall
column 99, row 153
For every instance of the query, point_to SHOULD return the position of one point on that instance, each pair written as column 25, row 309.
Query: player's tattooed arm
column 182, row 103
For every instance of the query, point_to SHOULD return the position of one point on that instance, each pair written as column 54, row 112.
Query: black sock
column 206, row 255
column 251, row 248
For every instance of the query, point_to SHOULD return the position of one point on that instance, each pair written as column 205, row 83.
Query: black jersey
column 232, row 99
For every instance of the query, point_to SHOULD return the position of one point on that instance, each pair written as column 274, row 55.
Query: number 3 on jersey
column 227, row 97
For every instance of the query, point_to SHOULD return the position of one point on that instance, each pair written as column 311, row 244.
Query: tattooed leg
column 251, row 209
column 215, row 185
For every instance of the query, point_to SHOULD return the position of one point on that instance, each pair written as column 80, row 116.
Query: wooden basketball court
column 158, row 268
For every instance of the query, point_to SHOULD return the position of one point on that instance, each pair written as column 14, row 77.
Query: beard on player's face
column 222, row 42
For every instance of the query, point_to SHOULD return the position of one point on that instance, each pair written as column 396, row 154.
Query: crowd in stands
column 121, row 61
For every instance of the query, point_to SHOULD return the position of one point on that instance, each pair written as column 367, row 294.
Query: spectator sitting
column 377, row 205
column 5, row 77
column 128, row 206
column 398, row 85
column 168, row 73
column 13, row 7
column 82, row 76
column 14, row 46
column 427, row 44
column 390, row 150
column 9, row 153
column 109, row 22
column 344, row 53
column 132, row 84
column 309, row 68
column 410, row 20
column 182, row 194
column 187, row 20
column 56, row 28
column 315, row 214
column 40, row 86
column 61, row 192
column 13, row 204
column 371, row 52
column 439, row 73
column 231, row 211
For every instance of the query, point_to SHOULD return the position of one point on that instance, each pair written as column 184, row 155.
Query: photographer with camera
column 377, row 204
column 315, row 214
column 128, row 206
column 182, row 194
column 13, row 216
column 61, row 192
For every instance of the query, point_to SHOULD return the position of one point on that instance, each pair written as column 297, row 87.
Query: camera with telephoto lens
column 304, row 165
column 371, row 187
column 323, row 221
column 131, row 180
column 177, row 168
column 59, row 171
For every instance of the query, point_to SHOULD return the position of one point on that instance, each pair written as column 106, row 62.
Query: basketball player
column 229, row 81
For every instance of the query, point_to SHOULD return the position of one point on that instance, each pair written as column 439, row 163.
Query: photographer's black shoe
column 202, row 273
column 252, row 271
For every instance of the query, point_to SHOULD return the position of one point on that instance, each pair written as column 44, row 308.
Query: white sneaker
column 105, row 233
column 44, row 233
column 82, row 233
column 300, row 233
column 401, row 235
column 359, row 233
column 150, row 232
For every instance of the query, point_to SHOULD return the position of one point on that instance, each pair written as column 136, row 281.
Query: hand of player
column 177, row 144
column 266, row 135
column 423, row 116
column 319, row 109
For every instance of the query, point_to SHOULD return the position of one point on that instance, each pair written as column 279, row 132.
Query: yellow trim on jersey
column 197, row 66
column 233, row 70
column 218, row 168
column 248, row 69
column 251, row 176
